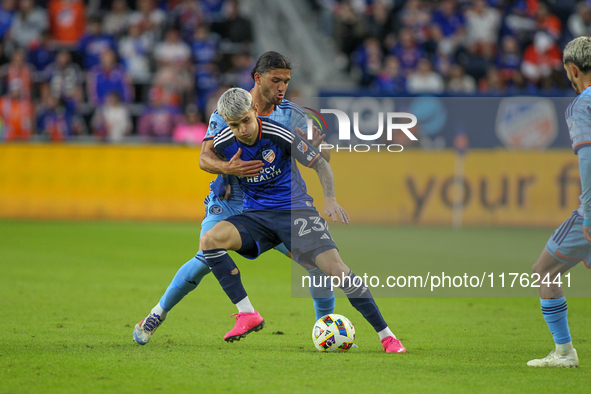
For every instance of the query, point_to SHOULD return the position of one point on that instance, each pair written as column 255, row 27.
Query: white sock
column 564, row 348
column 244, row 306
column 157, row 310
column 386, row 332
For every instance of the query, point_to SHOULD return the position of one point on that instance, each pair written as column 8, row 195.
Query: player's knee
column 331, row 264
column 208, row 241
column 337, row 268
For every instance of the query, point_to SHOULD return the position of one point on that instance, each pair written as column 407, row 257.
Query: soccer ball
column 333, row 333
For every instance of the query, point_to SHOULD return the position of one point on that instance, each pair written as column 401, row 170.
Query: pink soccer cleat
column 393, row 345
column 245, row 324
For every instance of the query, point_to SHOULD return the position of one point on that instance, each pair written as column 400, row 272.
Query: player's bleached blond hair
column 234, row 103
column 578, row 52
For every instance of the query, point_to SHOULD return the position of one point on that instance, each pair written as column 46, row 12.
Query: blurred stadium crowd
column 456, row 46
column 108, row 69
column 153, row 69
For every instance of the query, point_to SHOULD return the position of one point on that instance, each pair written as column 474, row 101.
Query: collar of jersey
column 259, row 137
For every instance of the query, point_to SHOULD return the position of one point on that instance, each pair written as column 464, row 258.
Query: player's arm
column 210, row 162
column 307, row 155
column 300, row 123
column 221, row 187
column 331, row 207
column 316, row 141
column 584, row 154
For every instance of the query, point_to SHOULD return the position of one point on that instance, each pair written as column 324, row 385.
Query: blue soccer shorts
column 217, row 210
column 304, row 232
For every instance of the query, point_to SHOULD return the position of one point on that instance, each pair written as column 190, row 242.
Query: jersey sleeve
column 579, row 124
column 298, row 119
column 216, row 124
column 219, row 148
column 304, row 152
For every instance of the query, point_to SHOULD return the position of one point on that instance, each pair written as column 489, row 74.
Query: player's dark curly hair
column 270, row 61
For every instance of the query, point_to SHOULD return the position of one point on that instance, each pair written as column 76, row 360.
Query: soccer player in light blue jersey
column 571, row 242
column 271, row 75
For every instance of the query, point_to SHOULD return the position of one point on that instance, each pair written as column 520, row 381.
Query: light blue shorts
column 217, row 210
column 568, row 244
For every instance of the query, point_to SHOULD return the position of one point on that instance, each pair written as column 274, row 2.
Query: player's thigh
column 217, row 210
column 548, row 264
column 224, row 235
column 210, row 221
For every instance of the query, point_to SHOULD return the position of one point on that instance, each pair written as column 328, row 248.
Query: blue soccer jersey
column 288, row 114
column 280, row 185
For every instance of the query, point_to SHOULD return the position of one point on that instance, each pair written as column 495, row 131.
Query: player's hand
column 218, row 186
column 243, row 168
column 587, row 233
column 317, row 138
column 228, row 190
column 335, row 211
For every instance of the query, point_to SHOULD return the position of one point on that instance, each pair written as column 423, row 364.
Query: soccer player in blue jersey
column 571, row 242
column 278, row 210
column 271, row 75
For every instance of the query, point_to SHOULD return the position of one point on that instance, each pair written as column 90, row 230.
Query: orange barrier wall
column 122, row 182
column 499, row 187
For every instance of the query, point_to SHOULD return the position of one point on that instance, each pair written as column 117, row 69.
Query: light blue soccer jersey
column 578, row 119
column 288, row 114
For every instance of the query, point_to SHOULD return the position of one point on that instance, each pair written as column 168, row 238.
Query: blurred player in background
column 271, row 74
column 571, row 242
column 278, row 209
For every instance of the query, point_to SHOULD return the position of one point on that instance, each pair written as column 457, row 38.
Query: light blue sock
column 323, row 306
column 186, row 280
column 323, row 295
column 555, row 312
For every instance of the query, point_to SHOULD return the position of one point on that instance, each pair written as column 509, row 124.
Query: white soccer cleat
column 143, row 330
column 554, row 360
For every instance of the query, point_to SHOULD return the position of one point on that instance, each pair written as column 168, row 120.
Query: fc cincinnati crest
column 269, row 155
column 302, row 147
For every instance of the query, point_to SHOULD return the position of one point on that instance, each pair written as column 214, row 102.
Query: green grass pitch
column 71, row 293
